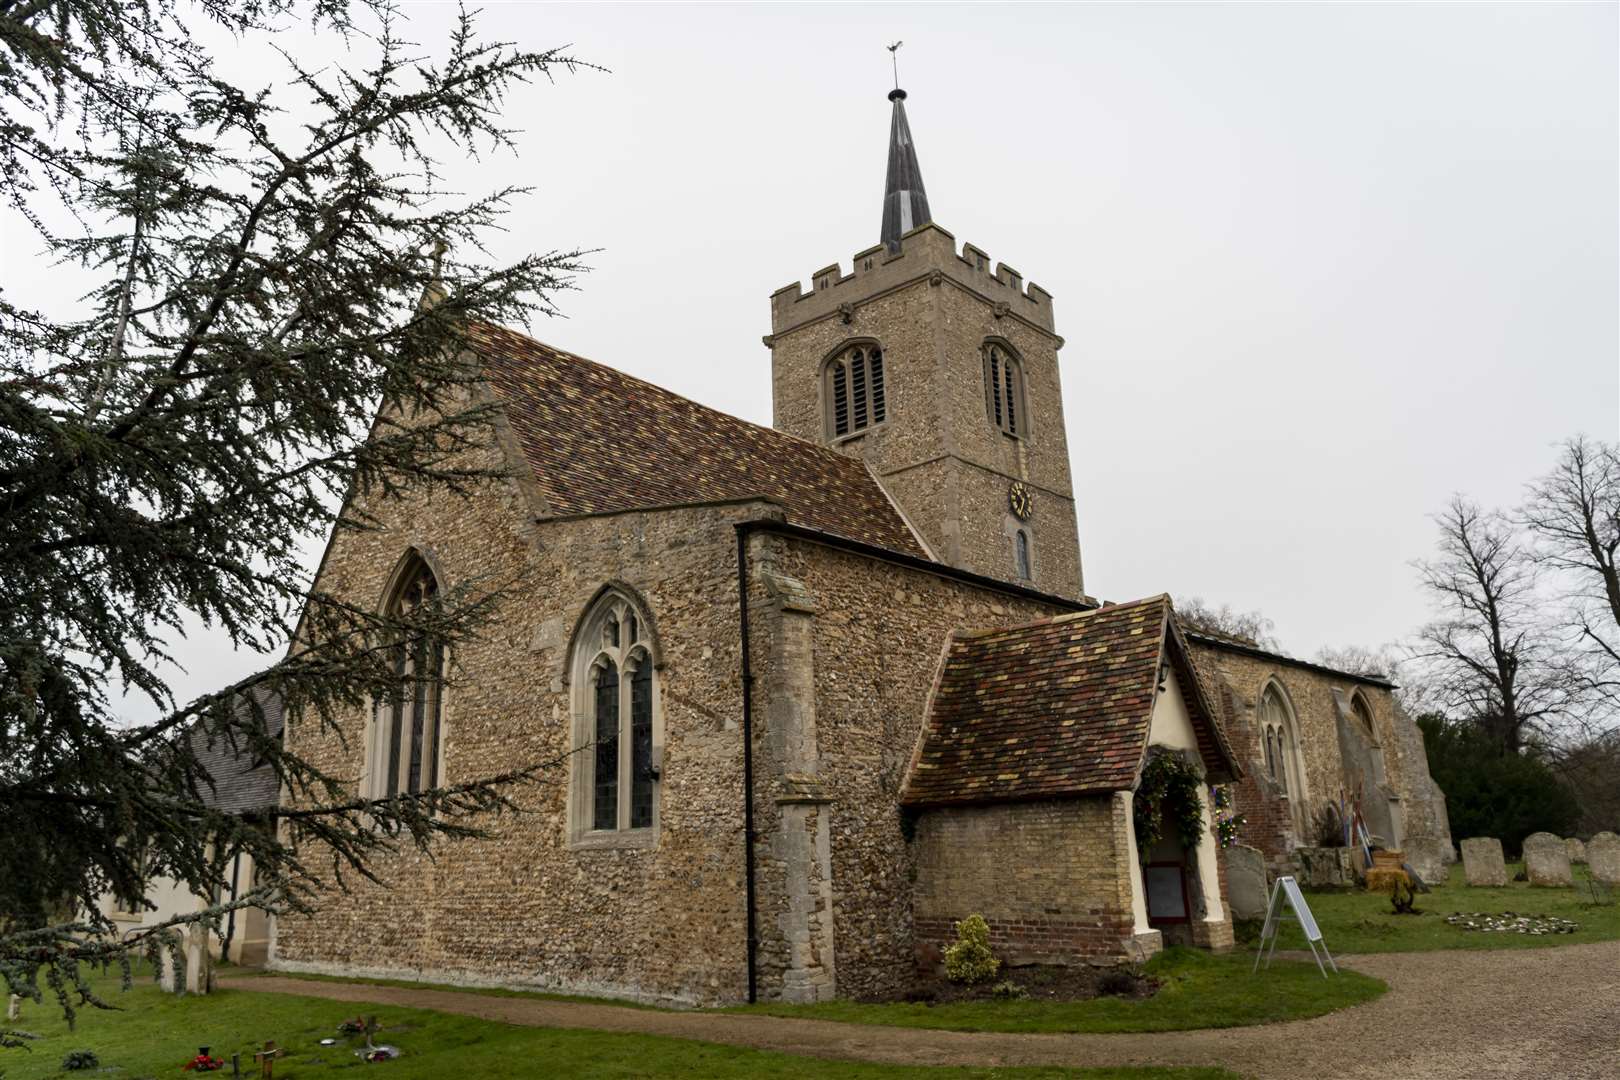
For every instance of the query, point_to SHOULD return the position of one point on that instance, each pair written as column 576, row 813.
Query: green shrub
column 1008, row 990
column 969, row 960
column 80, row 1059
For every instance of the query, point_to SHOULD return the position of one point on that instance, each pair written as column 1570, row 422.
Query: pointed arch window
column 1363, row 715
column 1021, row 558
column 1004, row 400
column 616, row 701
column 1285, row 765
column 855, row 395
column 406, row 750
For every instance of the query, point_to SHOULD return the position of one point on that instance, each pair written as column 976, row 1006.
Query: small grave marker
column 267, row 1060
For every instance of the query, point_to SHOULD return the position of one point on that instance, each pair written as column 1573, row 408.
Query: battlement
column 924, row 251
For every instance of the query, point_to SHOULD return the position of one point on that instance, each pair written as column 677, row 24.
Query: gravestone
column 1576, row 849
column 1246, row 881
column 1546, row 860
column 1428, row 859
column 1482, row 861
column 1603, row 858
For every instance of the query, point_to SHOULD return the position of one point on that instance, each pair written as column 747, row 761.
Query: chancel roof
column 1057, row 708
column 599, row 441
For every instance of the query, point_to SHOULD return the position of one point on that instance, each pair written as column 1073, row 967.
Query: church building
column 819, row 690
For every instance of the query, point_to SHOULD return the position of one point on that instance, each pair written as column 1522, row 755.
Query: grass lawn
column 1200, row 991
column 1362, row 922
column 156, row 1033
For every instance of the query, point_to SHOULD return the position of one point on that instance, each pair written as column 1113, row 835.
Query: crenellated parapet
column 926, row 252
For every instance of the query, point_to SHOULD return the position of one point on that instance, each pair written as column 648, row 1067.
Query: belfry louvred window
column 1004, row 390
column 855, row 395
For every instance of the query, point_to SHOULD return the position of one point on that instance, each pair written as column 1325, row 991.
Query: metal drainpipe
column 748, row 761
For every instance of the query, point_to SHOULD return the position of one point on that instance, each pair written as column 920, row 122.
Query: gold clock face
column 1018, row 499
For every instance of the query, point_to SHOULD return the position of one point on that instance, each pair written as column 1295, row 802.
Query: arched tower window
column 616, row 698
column 405, row 752
column 1021, row 557
column 854, row 394
column 1004, row 400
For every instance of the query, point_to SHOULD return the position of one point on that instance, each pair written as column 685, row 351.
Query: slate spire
column 905, row 203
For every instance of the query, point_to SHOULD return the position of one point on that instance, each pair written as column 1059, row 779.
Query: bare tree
column 1246, row 627
column 1488, row 655
column 1573, row 512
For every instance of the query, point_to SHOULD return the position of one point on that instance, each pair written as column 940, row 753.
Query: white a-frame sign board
column 1287, row 888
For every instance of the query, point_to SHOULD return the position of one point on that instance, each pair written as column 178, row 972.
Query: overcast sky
column 1317, row 266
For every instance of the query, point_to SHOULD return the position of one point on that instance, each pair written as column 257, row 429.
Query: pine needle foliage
column 281, row 288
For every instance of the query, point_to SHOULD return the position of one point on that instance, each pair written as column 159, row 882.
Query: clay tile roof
column 1056, row 708
column 600, row 440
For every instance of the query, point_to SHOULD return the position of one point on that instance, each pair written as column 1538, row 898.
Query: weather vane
column 894, row 55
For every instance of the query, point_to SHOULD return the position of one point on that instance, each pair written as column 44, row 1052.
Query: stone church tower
column 939, row 370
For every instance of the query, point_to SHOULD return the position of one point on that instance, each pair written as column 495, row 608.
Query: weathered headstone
column 1603, row 858
column 1482, row 861
column 1546, row 860
column 1576, row 849
column 1428, row 859
column 1246, row 881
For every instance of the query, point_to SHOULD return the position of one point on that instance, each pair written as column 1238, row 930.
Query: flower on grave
column 203, row 1062
column 352, row 1026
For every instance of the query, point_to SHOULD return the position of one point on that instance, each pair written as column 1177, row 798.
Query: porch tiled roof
column 1056, row 708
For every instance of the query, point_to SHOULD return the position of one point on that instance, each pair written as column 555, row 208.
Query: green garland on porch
column 1169, row 783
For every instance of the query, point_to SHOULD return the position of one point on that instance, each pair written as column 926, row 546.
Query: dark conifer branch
column 254, row 350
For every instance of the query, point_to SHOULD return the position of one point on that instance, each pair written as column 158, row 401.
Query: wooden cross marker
column 267, row 1060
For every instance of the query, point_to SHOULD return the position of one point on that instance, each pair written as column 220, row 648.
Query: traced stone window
column 405, row 752
column 616, row 703
column 1004, row 401
column 855, row 395
column 1021, row 555
column 1282, row 749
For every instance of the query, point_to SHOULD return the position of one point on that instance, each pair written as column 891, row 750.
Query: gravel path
column 1515, row 1013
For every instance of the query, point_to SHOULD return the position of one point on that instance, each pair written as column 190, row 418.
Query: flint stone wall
column 877, row 637
column 1279, row 821
column 525, row 907
column 1482, row 861
column 1603, row 858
